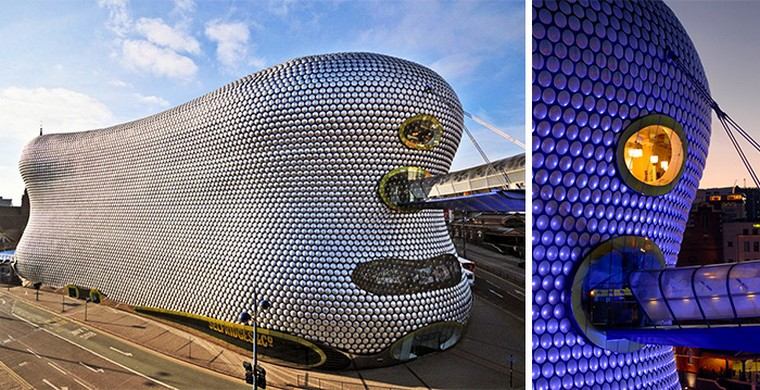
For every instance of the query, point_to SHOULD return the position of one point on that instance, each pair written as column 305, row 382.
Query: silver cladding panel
column 269, row 183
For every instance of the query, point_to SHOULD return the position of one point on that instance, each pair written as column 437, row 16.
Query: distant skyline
column 727, row 38
column 80, row 66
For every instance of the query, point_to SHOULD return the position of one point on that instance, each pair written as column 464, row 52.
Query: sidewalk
column 188, row 345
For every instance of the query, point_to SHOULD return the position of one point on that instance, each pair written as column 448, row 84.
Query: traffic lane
column 36, row 356
column 499, row 291
column 161, row 370
column 33, row 369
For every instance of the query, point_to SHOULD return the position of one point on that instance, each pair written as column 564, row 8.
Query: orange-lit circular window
column 651, row 154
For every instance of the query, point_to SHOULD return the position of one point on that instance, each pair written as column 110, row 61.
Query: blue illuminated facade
column 597, row 68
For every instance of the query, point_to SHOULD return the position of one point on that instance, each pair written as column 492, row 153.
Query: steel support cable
column 429, row 88
column 739, row 150
column 495, row 130
column 726, row 121
column 743, row 132
column 485, row 157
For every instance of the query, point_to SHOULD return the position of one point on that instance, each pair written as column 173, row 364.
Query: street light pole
column 255, row 337
column 253, row 319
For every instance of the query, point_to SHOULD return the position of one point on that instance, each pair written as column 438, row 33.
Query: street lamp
column 246, row 317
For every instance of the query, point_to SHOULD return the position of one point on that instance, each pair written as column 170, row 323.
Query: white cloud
column 22, row 110
column 59, row 109
column 232, row 43
column 143, row 55
column 450, row 32
column 456, row 65
column 119, row 83
column 184, row 6
column 151, row 45
column 118, row 16
column 280, row 7
column 158, row 32
column 152, row 100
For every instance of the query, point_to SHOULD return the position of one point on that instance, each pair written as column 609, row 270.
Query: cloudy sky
column 727, row 37
column 82, row 65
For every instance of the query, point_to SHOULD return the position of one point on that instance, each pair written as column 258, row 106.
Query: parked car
column 468, row 269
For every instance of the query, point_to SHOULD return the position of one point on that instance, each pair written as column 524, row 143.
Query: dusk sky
column 82, row 65
column 727, row 37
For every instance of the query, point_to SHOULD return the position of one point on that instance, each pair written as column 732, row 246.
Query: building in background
column 13, row 221
column 723, row 227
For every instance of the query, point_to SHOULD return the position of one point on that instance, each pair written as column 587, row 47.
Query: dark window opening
column 399, row 276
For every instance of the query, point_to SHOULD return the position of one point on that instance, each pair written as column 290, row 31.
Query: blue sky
column 82, row 65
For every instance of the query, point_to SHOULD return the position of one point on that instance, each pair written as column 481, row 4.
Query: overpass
column 497, row 187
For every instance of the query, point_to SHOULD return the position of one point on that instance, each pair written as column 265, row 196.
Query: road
column 51, row 352
column 502, row 292
column 508, row 294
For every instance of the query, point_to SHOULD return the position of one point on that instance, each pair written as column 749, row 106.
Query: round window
column 651, row 154
column 602, row 296
column 421, row 132
column 399, row 188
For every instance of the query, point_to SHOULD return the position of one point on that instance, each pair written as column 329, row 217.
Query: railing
column 309, row 382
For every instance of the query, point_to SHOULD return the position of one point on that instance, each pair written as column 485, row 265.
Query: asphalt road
column 51, row 352
column 507, row 294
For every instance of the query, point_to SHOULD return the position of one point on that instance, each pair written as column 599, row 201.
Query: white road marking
column 92, row 369
column 495, row 293
column 34, row 353
column 51, row 364
column 97, row 354
column 88, row 335
column 50, row 384
column 120, row 351
column 81, row 383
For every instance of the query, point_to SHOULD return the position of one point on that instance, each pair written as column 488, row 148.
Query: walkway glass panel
column 700, row 295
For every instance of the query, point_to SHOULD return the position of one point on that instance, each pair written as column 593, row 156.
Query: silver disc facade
column 269, row 183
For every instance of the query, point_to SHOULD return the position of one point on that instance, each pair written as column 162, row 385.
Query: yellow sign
column 240, row 333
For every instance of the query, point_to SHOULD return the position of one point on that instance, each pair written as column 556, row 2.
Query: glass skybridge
column 495, row 187
column 623, row 297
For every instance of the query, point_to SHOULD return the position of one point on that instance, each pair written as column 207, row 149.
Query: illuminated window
column 652, row 151
column 602, row 291
column 421, row 132
column 398, row 188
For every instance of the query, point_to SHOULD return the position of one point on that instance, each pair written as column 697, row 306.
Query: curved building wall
column 598, row 66
column 269, row 183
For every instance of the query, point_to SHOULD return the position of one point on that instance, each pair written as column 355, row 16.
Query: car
column 468, row 270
